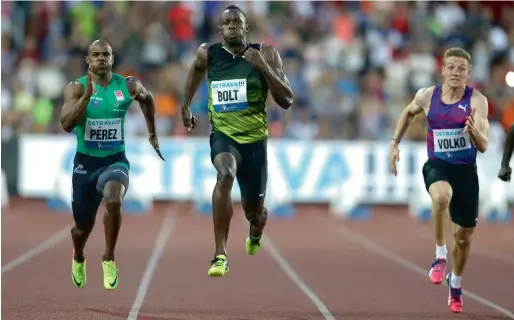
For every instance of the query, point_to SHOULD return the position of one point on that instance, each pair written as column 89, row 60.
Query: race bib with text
column 229, row 95
column 102, row 133
column 451, row 140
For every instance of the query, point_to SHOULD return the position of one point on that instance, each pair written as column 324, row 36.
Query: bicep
column 200, row 62
column 420, row 101
column 72, row 94
column 136, row 88
column 482, row 111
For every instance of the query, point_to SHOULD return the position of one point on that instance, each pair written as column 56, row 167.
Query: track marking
column 284, row 265
column 160, row 244
column 391, row 256
column 37, row 250
column 288, row 270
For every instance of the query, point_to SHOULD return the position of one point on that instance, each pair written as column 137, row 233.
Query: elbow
column 482, row 147
column 286, row 104
column 66, row 125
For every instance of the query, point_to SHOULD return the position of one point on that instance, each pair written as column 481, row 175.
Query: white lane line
column 391, row 256
column 284, row 265
column 160, row 244
column 37, row 250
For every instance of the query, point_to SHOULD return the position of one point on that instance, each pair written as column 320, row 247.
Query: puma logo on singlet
column 463, row 107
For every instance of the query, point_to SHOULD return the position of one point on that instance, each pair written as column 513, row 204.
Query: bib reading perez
column 237, row 96
column 100, row 133
column 446, row 139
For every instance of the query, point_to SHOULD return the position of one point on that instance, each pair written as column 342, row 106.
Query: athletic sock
column 441, row 252
column 255, row 238
column 455, row 281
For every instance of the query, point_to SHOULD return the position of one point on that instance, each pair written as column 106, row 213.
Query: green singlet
column 100, row 132
column 237, row 96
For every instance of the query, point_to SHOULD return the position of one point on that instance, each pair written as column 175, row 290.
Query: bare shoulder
column 424, row 95
column 202, row 51
column 132, row 81
column 478, row 98
column 133, row 85
column 74, row 89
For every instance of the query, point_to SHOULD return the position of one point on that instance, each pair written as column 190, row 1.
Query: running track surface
column 311, row 264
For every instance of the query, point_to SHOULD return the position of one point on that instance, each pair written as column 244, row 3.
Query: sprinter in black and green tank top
column 95, row 106
column 240, row 74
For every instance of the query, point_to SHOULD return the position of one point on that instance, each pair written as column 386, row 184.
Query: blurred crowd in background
column 353, row 66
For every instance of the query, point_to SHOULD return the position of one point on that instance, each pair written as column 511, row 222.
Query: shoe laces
column 439, row 265
column 218, row 262
column 81, row 270
column 455, row 294
column 111, row 267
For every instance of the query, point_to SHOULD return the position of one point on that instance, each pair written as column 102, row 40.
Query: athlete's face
column 233, row 26
column 100, row 58
column 456, row 71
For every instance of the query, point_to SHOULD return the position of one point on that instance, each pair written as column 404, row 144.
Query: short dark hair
column 234, row 7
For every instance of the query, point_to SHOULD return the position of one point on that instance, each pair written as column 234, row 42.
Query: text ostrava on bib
column 451, row 140
column 229, row 95
column 102, row 133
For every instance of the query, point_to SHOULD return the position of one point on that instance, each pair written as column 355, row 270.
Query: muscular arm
column 196, row 74
column 417, row 105
column 275, row 77
column 479, row 134
column 146, row 102
column 75, row 104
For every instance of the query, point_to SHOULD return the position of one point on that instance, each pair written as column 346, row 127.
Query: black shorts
column 90, row 175
column 464, row 182
column 252, row 164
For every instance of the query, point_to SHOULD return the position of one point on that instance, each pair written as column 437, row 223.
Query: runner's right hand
column 394, row 157
column 189, row 119
column 90, row 86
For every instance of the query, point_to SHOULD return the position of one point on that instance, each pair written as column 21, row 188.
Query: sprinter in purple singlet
column 457, row 129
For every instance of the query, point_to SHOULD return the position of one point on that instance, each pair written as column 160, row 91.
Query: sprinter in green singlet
column 240, row 75
column 95, row 106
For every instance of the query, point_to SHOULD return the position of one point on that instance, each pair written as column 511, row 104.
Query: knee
column 462, row 239
column 442, row 200
column 113, row 204
column 226, row 177
column 256, row 216
column 82, row 228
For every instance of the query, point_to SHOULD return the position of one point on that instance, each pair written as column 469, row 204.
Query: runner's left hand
column 255, row 58
column 155, row 144
column 470, row 122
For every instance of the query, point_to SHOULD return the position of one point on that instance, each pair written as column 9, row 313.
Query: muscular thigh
column 118, row 171
column 436, row 179
column 252, row 175
column 220, row 144
column 464, row 204
column 85, row 198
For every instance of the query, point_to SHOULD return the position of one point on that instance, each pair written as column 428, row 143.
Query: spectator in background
column 353, row 65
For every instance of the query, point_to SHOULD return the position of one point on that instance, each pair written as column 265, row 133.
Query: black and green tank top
column 100, row 132
column 237, row 96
